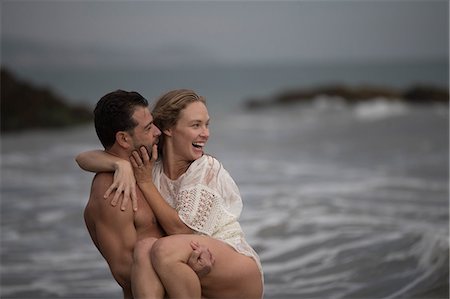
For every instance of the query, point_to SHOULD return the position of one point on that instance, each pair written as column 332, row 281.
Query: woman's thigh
column 233, row 275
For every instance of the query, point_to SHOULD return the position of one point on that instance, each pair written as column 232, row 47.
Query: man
column 123, row 123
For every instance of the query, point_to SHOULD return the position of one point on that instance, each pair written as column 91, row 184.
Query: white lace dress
column 208, row 201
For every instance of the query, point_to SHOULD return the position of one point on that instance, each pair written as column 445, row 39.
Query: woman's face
column 190, row 133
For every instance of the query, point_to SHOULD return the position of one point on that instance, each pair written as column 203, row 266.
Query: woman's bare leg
column 145, row 282
column 233, row 275
column 179, row 280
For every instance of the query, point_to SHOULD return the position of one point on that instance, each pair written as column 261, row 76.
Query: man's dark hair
column 114, row 113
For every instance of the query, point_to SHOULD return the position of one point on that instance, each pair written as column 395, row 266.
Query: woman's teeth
column 198, row 144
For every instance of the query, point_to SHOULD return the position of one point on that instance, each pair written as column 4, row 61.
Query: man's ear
column 123, row 139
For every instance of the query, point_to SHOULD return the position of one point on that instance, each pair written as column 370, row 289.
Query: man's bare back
column 115, row 232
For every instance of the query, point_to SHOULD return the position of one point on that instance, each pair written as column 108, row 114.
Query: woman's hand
column 143, row 164
column 124, row 185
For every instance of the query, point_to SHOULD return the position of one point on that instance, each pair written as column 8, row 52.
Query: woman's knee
column 160, row 252
column 142, row 250
column 167, row 250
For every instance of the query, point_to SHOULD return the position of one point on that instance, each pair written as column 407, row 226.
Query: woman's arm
column 166, row 215
column 124, row 181
column 98, row 161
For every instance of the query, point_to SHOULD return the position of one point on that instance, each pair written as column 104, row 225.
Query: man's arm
column 115, row 234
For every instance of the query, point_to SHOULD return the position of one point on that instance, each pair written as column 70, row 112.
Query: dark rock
column 426, row 94
column 416, row 94
column 25, row 106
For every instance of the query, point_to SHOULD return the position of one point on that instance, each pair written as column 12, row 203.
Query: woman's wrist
column 147, row 183
column 120, row 164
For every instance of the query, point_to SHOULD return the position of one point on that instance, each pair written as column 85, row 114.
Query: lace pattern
column 202, row 211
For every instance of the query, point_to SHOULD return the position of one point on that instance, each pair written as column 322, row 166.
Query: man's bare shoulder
column 103, row 178
column 101, row 183
column 97, row 202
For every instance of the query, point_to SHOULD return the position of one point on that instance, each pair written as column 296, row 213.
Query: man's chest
column 145, row 221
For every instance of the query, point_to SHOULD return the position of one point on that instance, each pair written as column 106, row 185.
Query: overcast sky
column 96, row 33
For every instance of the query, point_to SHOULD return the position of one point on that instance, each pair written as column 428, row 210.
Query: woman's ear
column 123, row 139
column 168, row 132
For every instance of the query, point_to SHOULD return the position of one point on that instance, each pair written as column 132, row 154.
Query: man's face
column 145, row 133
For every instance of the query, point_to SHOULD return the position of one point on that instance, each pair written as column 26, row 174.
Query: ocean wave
column 379, row 108
column 385, row 257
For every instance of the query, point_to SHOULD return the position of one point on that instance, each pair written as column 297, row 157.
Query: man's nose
column 157, row 131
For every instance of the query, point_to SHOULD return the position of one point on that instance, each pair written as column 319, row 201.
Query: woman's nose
column 205, row 132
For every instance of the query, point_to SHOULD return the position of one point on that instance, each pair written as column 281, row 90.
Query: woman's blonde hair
column 168, row 108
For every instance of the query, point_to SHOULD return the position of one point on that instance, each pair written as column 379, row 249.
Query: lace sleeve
column 201, row 208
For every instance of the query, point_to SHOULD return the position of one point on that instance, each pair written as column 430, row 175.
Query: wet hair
column 169, row 106
column 114, row 113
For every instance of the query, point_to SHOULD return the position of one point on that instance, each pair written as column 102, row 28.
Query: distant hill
column 419, row 95
column 25, row 106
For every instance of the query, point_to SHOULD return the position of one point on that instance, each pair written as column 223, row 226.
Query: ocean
column 226, row 87
column 339, row 201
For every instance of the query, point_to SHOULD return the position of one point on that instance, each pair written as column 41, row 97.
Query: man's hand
column 201, row 259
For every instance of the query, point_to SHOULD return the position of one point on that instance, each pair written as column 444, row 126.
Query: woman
column 195, row 200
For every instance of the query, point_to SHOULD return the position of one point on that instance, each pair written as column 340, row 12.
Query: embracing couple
column 181, row 238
